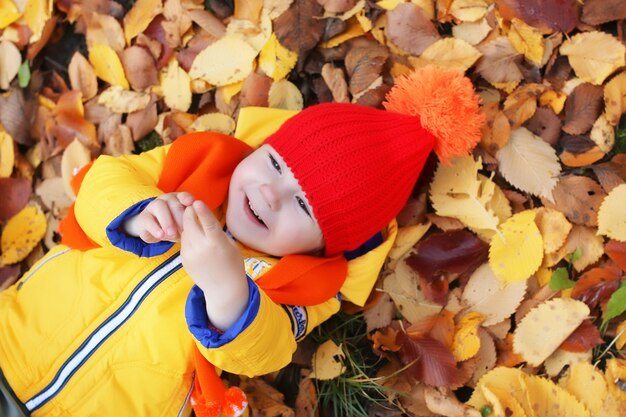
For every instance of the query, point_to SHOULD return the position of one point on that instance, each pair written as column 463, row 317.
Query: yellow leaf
column 594, row 55
column 545, row 327
column 118, row 100
column 75, row 156
column 213, row 122
column 583, row 239
column 587, row 384
column 450, row 53
column 326, row 363
column 35, row 16
column 529, row 163
column 553, row 99
column 554, row 228
column 603, row 134
column 139, row 17
column 615, row 98
column 107, row 65
column 611, row 216
column 500, row 378
column 10, row 60
column 21, row 234
column 275, row 60
column 211, row 66
column 527, row 40
column 543, row 276
column 469, row 10
column 7, row 155
column 285, row 95
column 250, row 32
column 407, row 237
column 8, row 13
column 616, row 370
column 517, row 251
column 388, row 4
column 457, row 192
column 466, row 341
column 175, row 84
column 229, row 91
column 547, row 399
column 502, row 402
column 621, row 332
column 472, row 32
column 484, row 294
column 560, row 358
column 353, row 30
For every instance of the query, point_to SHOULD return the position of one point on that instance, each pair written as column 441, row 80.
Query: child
column 256, row 242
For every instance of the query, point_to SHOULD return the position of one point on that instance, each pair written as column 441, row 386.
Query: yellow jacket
column 104, row 332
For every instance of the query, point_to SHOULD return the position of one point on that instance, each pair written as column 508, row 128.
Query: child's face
column 267, row 209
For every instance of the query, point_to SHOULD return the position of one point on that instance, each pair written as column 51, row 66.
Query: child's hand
column 162, row 219
column 208, row 254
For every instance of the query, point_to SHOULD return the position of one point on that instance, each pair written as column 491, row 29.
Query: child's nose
column 271, row 196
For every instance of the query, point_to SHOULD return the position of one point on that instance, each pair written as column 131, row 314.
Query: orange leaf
column 585, row 337
column 438, row 326
column 597, row 285
column 385, row 340
column 617, row 252
column 506, row 356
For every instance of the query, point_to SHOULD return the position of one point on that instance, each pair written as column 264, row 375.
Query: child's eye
column 303, row 206
column 275, row 164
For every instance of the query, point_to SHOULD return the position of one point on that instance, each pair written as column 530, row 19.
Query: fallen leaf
column 120, row 100
column 106, row 30
column 596, row 12
column 140, row 16
column 14, row 194
column 296, row 30
column 616, row 251
column 615, row 98
column 502, row 403
column 10, row 13
column 406, row 238
column 527, row 40
column 553, row 99
column 75, row 156
column 550, row 16
column 213, row 122
column 579, row 198
column 449, row 53
column 517, row 251
column 583, row 239
column 616, row 304
column 21, row 234
column 284, row 94
column 9, row 274
column 611, row 219
column 585, row 337
column 364, row 65
column 275, row 60
column 596, row 285
column 327, row 361
column 446, row 404
column 483, row 293
column 140, row 68
column 466, row 341
column 561, row 359
column 546, row 397
column 508, row 380
column 36, row 14
column 546, row 326
column 528, row 163
column 175, row 84
column 306, row 400
column 499, row 63
column 554, row 228
column 472, row 32
column 380, row 314
column 54, row 196
column 486, row 356
column 497, row 130
column 7, row 154
column 587, row 384
column 439, row 326
column 210, row 66
column 262, row 396
column 521, row 104
column 10, row 60
column 594, row 55
column 609, row 174
column 335, row 78
column 82, row 76
column 107, row 65
column 409, row 28
column 582, row 108
column 385, row 340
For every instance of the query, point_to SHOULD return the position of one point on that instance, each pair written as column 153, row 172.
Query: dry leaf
column 380, row 314
column 210, row 66
column 521, row 104
column 603, row 134
column 615, row 98
column 587, row 384
column 7, row 154
column 497, row 129
column 10, row 61
column 14, row 194
column 213, row 122
column 583, row 239
column 596, row 12
column 446, row 404
column 10, row 13
column 36, row 14
column 175, row 84
column 409, row 28
column 406, row 238
column 449, row 53
column 483, row 293
column 582, row 108
column 559, row 16
column 334, row 77
column 75, row 157
column 364, row 65
column 579, row 198
column 107, row 65
column 140, row 68
column 106, row 30
column 265, row 398
column 508, row 380
column 275, row 60
column 594, row 55
column 560, row 359
column 21, row 234
column 528, row 163
column 119, row 100
column 502, row 403
column 83, row 76
column 546, row 326
column 54, row 196
column 554, row 228
column 327, row 361
column 517, row 251
column 499, row 62
column 527, row 40
column 296, row 30
column 486, row 356
column 139, row 17
column 472, row 32
column 466, row 341
column 284, row 94
column 611, row 218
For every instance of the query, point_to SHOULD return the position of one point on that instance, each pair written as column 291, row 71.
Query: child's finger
column 150, row 232
column 161, row 211
column 207, row 220
column 185, row 198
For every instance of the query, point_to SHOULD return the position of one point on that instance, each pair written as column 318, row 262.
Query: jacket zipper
column 19, row 286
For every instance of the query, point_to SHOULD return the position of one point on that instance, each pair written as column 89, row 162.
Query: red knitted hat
column 358, row 165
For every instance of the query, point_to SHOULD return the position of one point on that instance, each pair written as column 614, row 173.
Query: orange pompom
column 235, row 402
column 445, row 103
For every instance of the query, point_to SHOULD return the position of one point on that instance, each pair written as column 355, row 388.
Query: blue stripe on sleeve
column 198, row 321
column 133, row 244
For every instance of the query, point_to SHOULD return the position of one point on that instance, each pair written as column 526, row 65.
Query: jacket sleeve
column 115, row 188
column 263, row 340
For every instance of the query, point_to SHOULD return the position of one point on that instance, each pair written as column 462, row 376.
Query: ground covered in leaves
column 505, row 292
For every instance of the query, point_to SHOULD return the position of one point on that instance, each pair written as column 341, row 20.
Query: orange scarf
column 202, row 164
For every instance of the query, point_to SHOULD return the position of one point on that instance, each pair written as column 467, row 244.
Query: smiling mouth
column 254, row 213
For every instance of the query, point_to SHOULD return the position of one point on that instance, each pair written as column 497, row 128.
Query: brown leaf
column 297, row 29
column 156, row 32
column 548, row 15
column 334, row 77
column 597, row 285
column 585, row 337
column 499, row 63
column 616, row 251
column 521, row 104
column 385, row 340
column 497, row 129
column 14, row 194
column 9, row 275
column 140, row 68
column 142, row 122
column 306, row 400
column 337, row 6
column 545, row 124
column 264, row 399
column 255, row 90
column 597, row 12
column 582, row 108
column 104, row 29
column 610, row 174
column 409, row 28
column 16, row 115
column 70, row 123
column 364, row 65
column 380, row 313
column 82, row 76
column 434, row 363
column 579, row 198
column 439, row 326
column 207, row 21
